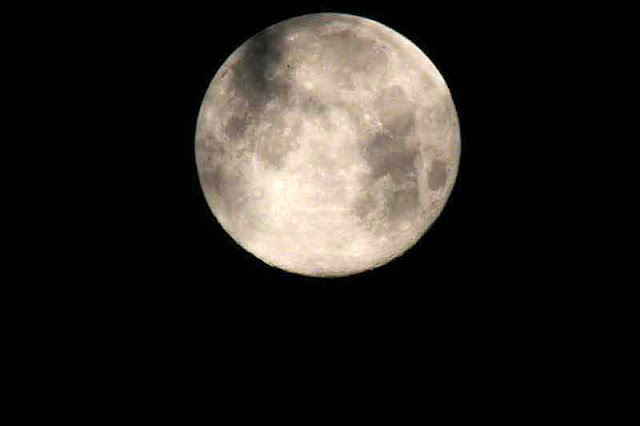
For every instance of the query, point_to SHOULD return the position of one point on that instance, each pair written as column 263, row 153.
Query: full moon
column 327, row 145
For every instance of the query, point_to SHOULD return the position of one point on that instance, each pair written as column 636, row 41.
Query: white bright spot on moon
column 327, row 145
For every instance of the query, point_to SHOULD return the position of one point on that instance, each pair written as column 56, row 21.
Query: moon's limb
column 327, row 144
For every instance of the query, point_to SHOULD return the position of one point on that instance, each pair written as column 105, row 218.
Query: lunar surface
column 327, row 144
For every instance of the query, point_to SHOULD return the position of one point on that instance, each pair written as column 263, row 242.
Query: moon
column 327, row 145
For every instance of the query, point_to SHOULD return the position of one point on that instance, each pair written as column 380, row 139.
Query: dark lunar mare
column 393, row 151
column 253, row 77
column 252, row 74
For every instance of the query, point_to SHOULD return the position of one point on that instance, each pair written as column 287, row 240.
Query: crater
column 439, row 116
column 212, row 178
column 274, row 153
column 437, row 175
column 208, row 149
column 352, row 52
column 278, row 141
column 392, row 151
column 403, row 202
column 236, row 126
column 364, row 205
column 313, row 105
column 393, row 103
column 231, row 187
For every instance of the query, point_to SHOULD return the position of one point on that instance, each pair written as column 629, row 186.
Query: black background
column 155, row 305
column 156, row 299
column 483, row 263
